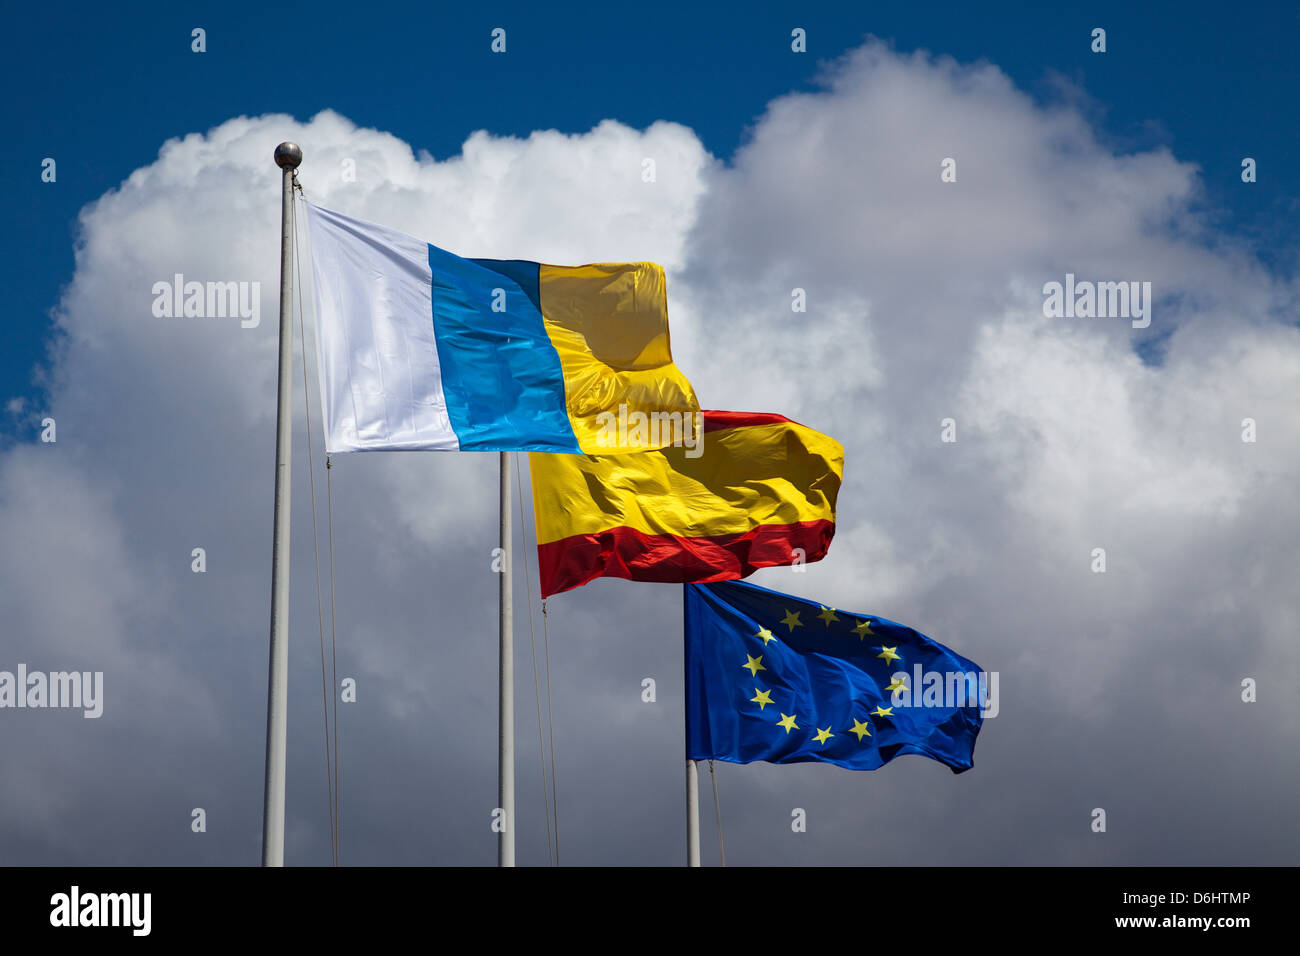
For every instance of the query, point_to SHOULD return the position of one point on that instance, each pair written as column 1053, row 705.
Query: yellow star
column 791, row 620
column 863, row 629
column 898, row 683
column 827, row 614
column 763, row 699
column 787, row 721
column 888, row 654
column 861, row 729
column 823, row 735
column 883, row 711
column 755, row 664
column 765, row 634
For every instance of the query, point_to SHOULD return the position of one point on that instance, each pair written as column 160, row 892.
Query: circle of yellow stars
column 861, row 728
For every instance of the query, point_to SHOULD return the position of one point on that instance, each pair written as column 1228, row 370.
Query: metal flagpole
column 287, row 156
column 692, row 772
column 506, row 752
column 692, row 814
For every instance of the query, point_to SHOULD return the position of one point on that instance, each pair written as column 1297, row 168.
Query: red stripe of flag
column 627, row 553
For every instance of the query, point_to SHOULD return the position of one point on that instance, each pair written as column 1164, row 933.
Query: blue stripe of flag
column 501, row 376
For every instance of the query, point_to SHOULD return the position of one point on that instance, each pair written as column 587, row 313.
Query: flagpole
column 506, row 751
column 287, row 156
column 692, row 814
column 692, row 772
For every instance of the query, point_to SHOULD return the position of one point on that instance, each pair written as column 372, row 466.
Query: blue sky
column 101, row 89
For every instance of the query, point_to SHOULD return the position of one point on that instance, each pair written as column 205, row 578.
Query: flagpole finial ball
column 288, row 156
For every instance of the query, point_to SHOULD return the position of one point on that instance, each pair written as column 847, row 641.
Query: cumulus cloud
column 924, row 302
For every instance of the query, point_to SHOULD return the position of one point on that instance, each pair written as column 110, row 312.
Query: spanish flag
column 740, row 491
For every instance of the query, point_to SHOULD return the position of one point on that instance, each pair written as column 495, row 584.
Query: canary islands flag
column 422, row 350
column 776, row 678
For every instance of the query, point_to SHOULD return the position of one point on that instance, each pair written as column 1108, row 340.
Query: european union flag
column 777, row 678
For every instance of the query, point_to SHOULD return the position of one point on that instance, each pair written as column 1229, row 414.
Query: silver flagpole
column 287, row 156
column 692, row 773
column 692, row 814
column 506, row 752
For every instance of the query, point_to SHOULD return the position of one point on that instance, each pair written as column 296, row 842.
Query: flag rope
column 331, row 763
column 717, row 812
column 550, row 724
column 334, row 653
column 532, row 640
